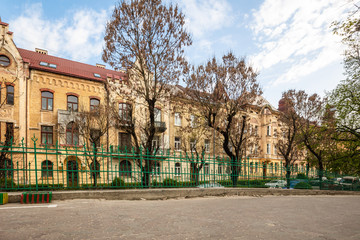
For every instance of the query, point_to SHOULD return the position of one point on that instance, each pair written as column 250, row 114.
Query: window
column 94, row 103
column 46, row 169
column 10, row 94
column 156, row 142
column 72, row 134
column 97, row 75
column 177, row 169
column 256, row 130
column 192, row 145
column 9, row 131
column 177, row 143
column 46, row 134
column 125, row 168
column 45, row 64
column 4, row 61
column 256, row 167
column 207, row 145
column 251, row 167
column 255, row 149
column 156, row 169
column 72, row 103
column 275, row 152
column 220, row 168
column 47, row 99
column 268, row 133
column 276, row 167
column 193, row 120
column 271, row 168
column 206, row 168
column 125, row 110
column 157, row 115
column 268, row 149
column 125, row 142
column 177, row 119
column 275, row 132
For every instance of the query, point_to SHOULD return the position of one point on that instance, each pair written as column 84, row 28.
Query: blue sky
column 289, row 42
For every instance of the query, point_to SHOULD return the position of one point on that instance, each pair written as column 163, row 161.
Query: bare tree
column 195, row 142
column 223, row 92
column 289, row 143
column 147, row 38
column 92, row 126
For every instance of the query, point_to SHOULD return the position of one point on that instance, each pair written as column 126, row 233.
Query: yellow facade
column 29, row 118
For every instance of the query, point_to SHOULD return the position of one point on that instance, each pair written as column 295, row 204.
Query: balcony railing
column 160, row 126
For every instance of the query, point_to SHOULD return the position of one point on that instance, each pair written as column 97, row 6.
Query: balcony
column 160, row 127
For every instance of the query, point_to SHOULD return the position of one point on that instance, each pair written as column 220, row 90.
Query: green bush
column 168, row 182
column 7, row 183
column 118, row 182
column 301, row 176
column 155, row 183
column 303, row 185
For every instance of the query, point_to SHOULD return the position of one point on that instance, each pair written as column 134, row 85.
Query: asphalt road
column 287, row 217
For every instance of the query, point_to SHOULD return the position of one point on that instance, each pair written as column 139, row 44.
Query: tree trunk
column 234, row 172
column 288, row 173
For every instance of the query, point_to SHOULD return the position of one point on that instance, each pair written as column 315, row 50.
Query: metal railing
column 52, row 167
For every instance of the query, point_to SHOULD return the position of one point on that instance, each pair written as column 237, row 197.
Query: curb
column 163, row 194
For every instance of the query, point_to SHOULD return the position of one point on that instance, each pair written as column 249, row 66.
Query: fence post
column 248, row 171
column 36, row 178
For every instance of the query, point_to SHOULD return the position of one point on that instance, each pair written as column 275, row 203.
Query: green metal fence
column 52, row 167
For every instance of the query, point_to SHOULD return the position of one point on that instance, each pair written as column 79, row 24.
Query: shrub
column 7, row 183
column 169, row 182
column 155, row 183
column 118, row 182
column 302, row 185
column 301, row 176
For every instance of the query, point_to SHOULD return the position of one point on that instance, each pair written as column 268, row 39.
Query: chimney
column 42, row 51
column 100, row 65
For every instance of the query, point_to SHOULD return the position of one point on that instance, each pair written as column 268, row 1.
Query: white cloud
column 297, row 33
column 79, row 37
column 204, row 16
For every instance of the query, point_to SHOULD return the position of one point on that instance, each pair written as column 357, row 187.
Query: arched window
column 72, row 134
column 47, row 99
column 125, row 168
column 251, row 167
column 46, row 169
column 72, row 103
column 177, row 169
column 94, row 103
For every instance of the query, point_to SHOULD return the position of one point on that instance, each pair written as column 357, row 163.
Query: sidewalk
column 163, row 194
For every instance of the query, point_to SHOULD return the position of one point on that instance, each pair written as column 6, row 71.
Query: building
column 42, row 96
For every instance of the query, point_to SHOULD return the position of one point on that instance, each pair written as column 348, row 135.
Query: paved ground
column 280, row 217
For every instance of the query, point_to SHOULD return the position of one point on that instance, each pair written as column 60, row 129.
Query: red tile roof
column 68, row 67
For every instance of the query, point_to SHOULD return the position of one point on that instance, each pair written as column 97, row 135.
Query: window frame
column 177, row 143
column 177, row 119
column 47, row 101
column 74, row 131
column 72, row 103
column 177, row 169
column 9, row 93
column 125, row 168
column 47, row 170
column 6, row 57
column 125, row 112
column 96, row 106
column 47, row 134
column 268, row 148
